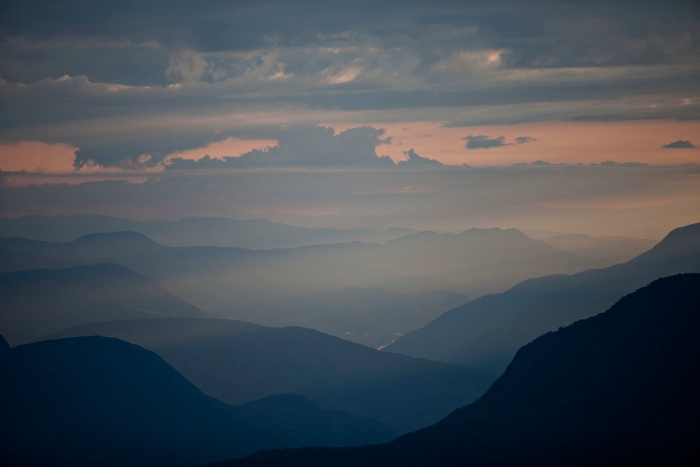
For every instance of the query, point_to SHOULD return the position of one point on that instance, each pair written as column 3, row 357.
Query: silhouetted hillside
column 485, row 333
column 99, row 401
column 291, row 416
column 619, row 388
column 238, row 362
column 41, row 301
column 102, row 401
column 190, row 231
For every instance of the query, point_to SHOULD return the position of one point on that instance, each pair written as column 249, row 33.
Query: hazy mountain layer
column 474, row 262
column 613, row 249
column 368, row 316
column 190, row 231
column 616, row 389
column 238, row 362
column 11, row 261
column 42, row 301
column 485, row 333
column 100, row 401
column 354, row 290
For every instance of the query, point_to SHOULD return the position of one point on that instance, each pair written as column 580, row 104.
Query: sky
column 569, row 115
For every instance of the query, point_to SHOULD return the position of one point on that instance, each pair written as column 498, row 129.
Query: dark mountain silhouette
column 485, row 333
column 239, row 362
column 99, row 401
column 102, row 401
column 291, row 416
column 619, row 388
column 320, row 286
column 41, row 301
column 190, row 231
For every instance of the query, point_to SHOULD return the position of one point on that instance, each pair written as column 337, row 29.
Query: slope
column 614, row 249
column 99, row 401
column 477, row 261
column 11, row 261
column 619, row 388
column 41, row 301
column 309, row 286
column 239, row 362
column 102, row 401
column 486, row 332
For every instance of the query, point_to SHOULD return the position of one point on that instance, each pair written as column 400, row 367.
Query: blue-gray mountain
column 38, row 302
column 616, row 389
column 190, row 231
column 239, row 362
column 485, row 333
column 349, row 290
column 98, row 401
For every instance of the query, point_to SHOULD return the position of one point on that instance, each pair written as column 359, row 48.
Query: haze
column 378, row 233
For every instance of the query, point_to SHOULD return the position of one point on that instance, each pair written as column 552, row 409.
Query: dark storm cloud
column 416, row 161
column 135, row 154
column 304, row 147
column 557, row 61
column 680, row 144
column 531, row 35
column 524, row 139
column 484, row 142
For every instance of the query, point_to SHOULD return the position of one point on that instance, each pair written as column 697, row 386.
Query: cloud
column 305, row 147
column 622, row 164
column 464, row 64
column 414, row 161
column 680, row 144
column 484, row 142
column 524, row 139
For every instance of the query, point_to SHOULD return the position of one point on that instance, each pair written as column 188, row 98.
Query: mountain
column 485, row 333
column 619, row 388
column 239, row 362
column 11, row 261
column 475, row 262
column 98, row 401
column 291, row 416
column 102, row 401
column 370, row 316
column 37, row 302
column 352, row 290
column 190, row 231
column 614, row 249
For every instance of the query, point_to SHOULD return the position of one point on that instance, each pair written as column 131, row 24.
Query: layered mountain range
column 485, row 333
column 619, row 388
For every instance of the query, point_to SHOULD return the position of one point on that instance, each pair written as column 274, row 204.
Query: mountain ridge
column 618, row 388
column 485, row 333
column 239, row 362
column 43, row 301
